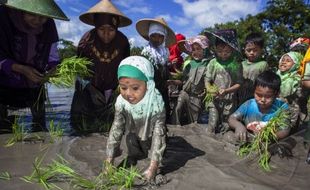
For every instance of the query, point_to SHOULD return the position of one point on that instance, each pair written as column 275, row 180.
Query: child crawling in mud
column 139, row 114
column 254, row 114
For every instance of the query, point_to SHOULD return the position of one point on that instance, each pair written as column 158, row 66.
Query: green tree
column 66, row 49
column 135, row 50
column 281, row 22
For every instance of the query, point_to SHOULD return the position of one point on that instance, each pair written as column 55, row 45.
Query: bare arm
column 240, row 129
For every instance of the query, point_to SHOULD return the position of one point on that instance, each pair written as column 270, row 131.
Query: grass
column 5, row 176
column 66, row 72
column 264, row 138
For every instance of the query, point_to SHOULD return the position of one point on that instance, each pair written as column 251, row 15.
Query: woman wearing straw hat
column 106, row 46
column 160, row 36
column 28, row 49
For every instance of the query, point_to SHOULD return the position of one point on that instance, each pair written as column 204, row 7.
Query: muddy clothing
column 151, row 138
column 249, row 112
column 36, row 48
column 250, row 73
column 303, row 100
column 223, row 75
column 291, row 92
column 192, row 94
column 92, row 104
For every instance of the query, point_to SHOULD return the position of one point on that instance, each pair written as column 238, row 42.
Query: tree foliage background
column 281, row 22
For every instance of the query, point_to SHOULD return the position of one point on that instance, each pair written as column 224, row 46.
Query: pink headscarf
column 203, row 41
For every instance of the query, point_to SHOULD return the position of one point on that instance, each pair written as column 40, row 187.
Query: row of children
column 221, row 85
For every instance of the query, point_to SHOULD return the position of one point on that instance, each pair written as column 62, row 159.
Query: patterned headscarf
column 201, row 40
column 160, row 54
column 152, row 102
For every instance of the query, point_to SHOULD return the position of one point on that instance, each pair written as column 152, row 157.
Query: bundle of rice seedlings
column 177, row 75
column 5, row 176
column 109, row 179
column 66, row 72
column 55, row 172
column 212, row 90
column 264, row 138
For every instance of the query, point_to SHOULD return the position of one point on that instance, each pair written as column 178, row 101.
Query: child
column 252, row 66
column 261, row 108
column 139, row 114
column 175, row 57
column 223, row 72
column 160, row 36
column 290, row 90
column 190, row 98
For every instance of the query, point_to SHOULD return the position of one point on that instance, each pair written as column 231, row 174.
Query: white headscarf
column 152, row 102
column 160, row 54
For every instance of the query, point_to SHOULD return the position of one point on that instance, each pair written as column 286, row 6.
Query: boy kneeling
column 254, row 114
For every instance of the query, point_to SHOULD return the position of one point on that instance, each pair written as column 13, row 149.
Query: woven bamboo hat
column 46, row 8
column 104, row 7
column 143, row 25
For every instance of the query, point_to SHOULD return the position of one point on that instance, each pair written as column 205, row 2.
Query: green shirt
column 252, row 70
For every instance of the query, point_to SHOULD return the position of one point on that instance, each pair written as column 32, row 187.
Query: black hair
column 255, row 38
column 268, row 79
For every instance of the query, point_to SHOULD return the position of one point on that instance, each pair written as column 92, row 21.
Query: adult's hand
column 29, row 72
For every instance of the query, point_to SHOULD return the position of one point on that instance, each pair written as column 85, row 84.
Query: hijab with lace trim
column 152, row 102
column 160, row 54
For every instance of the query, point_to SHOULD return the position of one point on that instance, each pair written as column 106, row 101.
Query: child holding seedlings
column 252, row 66
column 290, row 90
column 254, row 114
column 193, row 90
column 139, row 114
column 223, row 78
column 28, row 50
column 160, row 36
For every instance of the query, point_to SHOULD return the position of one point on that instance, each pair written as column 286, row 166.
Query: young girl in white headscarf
column 160, row 36
column 139, row 114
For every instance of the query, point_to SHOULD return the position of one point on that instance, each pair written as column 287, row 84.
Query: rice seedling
column 111, row 177
column 18, row 133
column 264, row 138
column 177, row 75
column 57, row 171
column 55, row 131
column 212, row 90
column 5, row 176
column 66, row 72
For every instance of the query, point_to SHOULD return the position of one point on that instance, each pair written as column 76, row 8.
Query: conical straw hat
column 46, row 8
column 143, row 25
column 104, row 7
